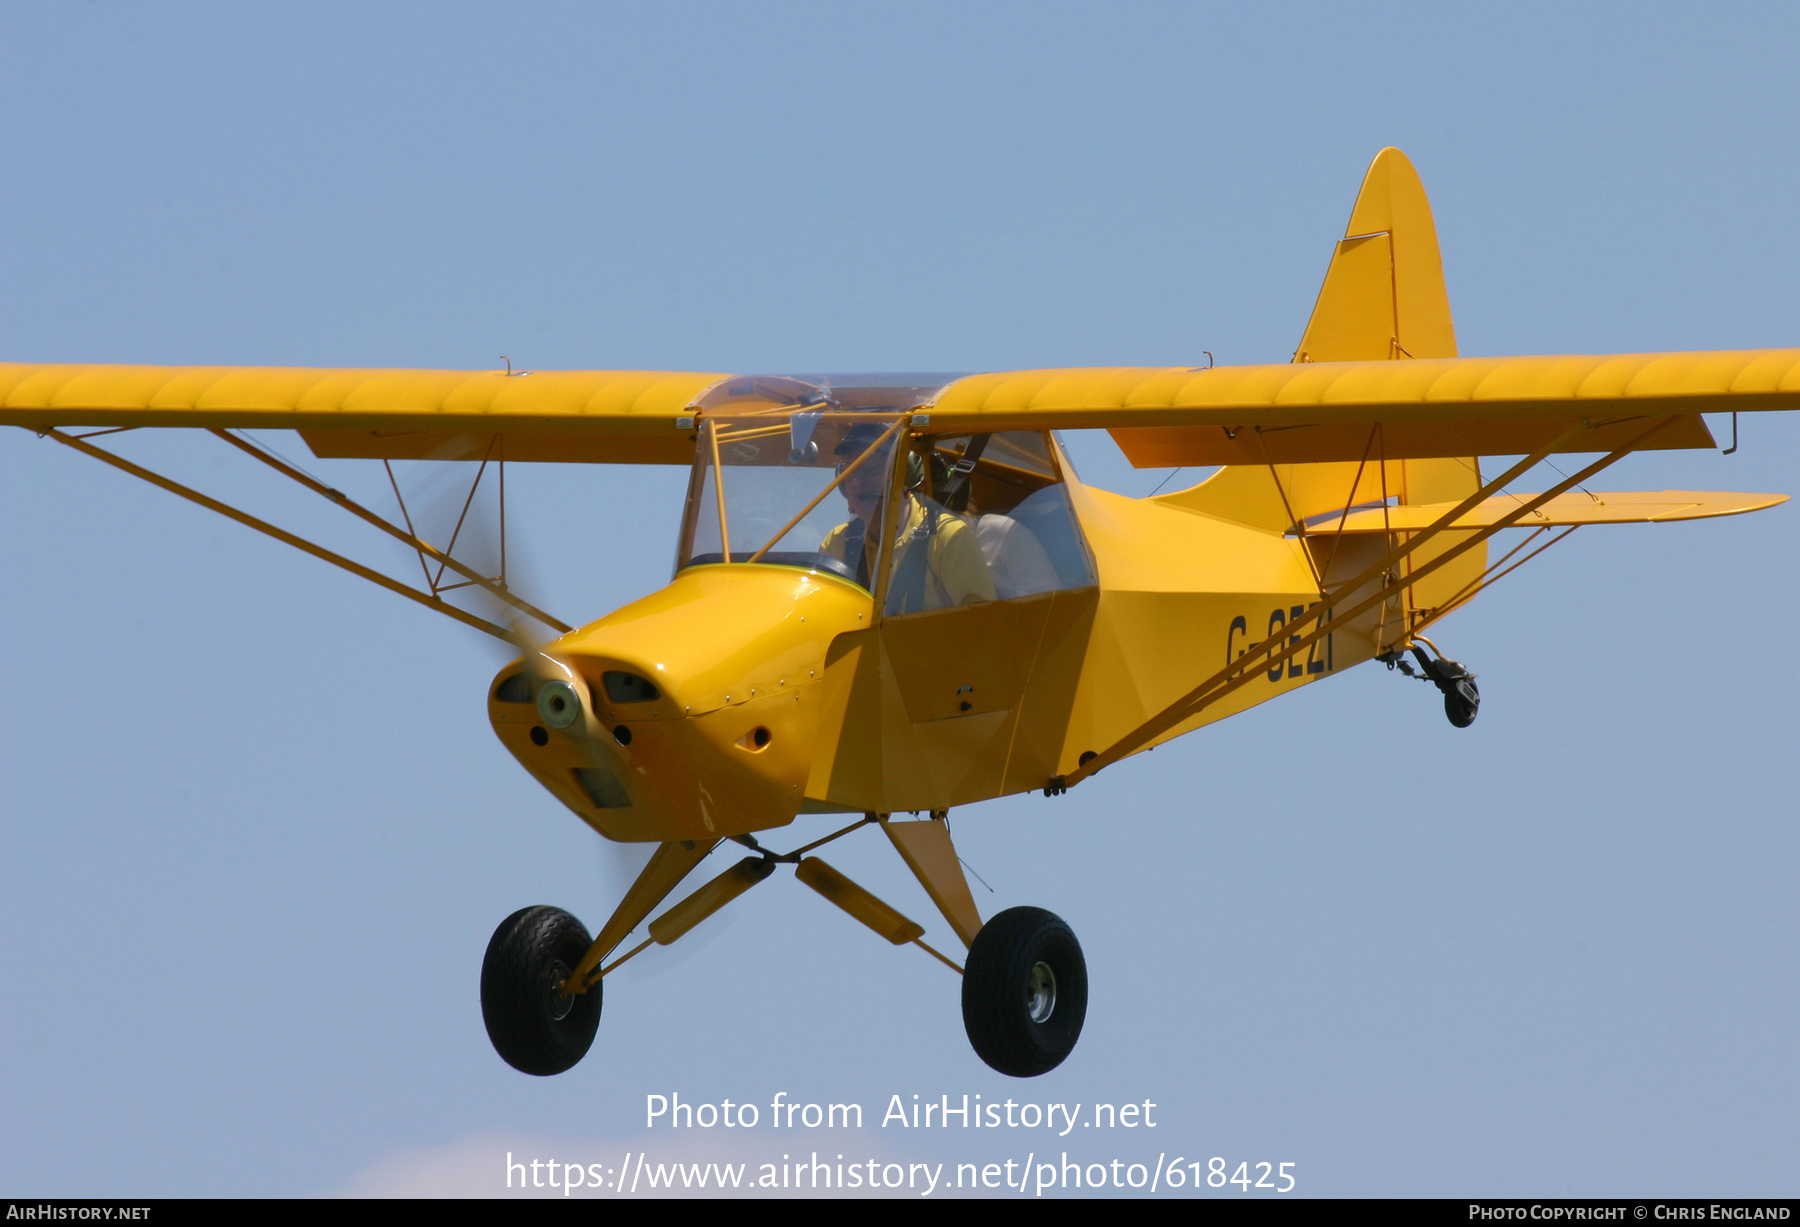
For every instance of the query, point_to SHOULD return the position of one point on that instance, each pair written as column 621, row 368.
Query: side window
column 987, row 517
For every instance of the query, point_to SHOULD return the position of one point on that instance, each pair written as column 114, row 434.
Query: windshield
column 869, row 392
column 791, row 488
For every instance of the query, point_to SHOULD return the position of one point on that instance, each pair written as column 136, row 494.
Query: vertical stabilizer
column 1383, row 299
column 1384, row 294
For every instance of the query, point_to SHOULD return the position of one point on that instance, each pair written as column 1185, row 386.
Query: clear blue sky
column 255, row 832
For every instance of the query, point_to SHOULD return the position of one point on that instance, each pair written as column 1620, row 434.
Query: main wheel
column 1024, row 992
column 533, row 1028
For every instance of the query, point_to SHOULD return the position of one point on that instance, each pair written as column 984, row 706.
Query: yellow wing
column 1285, row 413
column 591, row 416
column 1322, row 411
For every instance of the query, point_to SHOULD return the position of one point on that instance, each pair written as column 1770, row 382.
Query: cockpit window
column 784, row 488
column 987, row 517
column 797, row 471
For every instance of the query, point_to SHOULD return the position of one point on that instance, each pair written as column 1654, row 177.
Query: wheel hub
column 1040, row 993
column 559, row 1004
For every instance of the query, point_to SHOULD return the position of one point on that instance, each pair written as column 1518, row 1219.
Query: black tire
column 1462, row 702
column 997, row 992
column 534, row 1029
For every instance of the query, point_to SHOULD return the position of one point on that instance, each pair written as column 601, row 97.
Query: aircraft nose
column 692, row 713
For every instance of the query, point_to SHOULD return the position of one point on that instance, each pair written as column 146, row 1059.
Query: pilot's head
column 862, row 486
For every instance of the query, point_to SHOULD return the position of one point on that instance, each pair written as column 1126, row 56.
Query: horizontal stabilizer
column 1565, row 510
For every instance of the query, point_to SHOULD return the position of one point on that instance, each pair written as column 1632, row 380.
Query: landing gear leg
column 928, row 852
column 1462, row 701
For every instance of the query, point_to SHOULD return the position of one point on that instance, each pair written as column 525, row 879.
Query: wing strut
column 1278, row 649
column 443, row 559
column 282, row 535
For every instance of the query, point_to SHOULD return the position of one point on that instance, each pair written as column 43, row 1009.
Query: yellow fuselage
column 781, row 692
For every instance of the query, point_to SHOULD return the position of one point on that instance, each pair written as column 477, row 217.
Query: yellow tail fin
column 1384, row 294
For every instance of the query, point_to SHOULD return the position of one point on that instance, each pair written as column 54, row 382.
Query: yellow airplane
column 894, row 596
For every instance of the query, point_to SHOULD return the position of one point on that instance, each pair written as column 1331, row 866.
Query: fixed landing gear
column 1024, row 982
column 534, row 1028
column 1024, row 992
column 1462, row 701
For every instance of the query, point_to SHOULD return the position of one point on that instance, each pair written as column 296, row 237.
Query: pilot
column 937, row 561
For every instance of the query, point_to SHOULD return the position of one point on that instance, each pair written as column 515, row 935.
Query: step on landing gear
column 1462, row 701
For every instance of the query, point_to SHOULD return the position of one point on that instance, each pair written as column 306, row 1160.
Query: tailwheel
column 1462, row 701
column 1024, row 992
column 534, row 1028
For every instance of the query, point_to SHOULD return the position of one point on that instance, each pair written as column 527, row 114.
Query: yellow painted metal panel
column 959, row 761
column 1149, row 545
column 1041, row 729
column 1181, row 590
column 783, row 620
column 951, row 663
column 847, row 760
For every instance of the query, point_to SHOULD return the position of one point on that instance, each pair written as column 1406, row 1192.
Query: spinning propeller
column 470, row 519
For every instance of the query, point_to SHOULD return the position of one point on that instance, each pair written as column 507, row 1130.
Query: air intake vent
column 629, row 687
column 515, row 689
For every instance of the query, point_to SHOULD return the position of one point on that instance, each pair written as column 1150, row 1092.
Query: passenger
column 1016, row 561
column 937, row 561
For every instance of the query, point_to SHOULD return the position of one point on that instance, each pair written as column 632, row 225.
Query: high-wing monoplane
column 893, row 596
